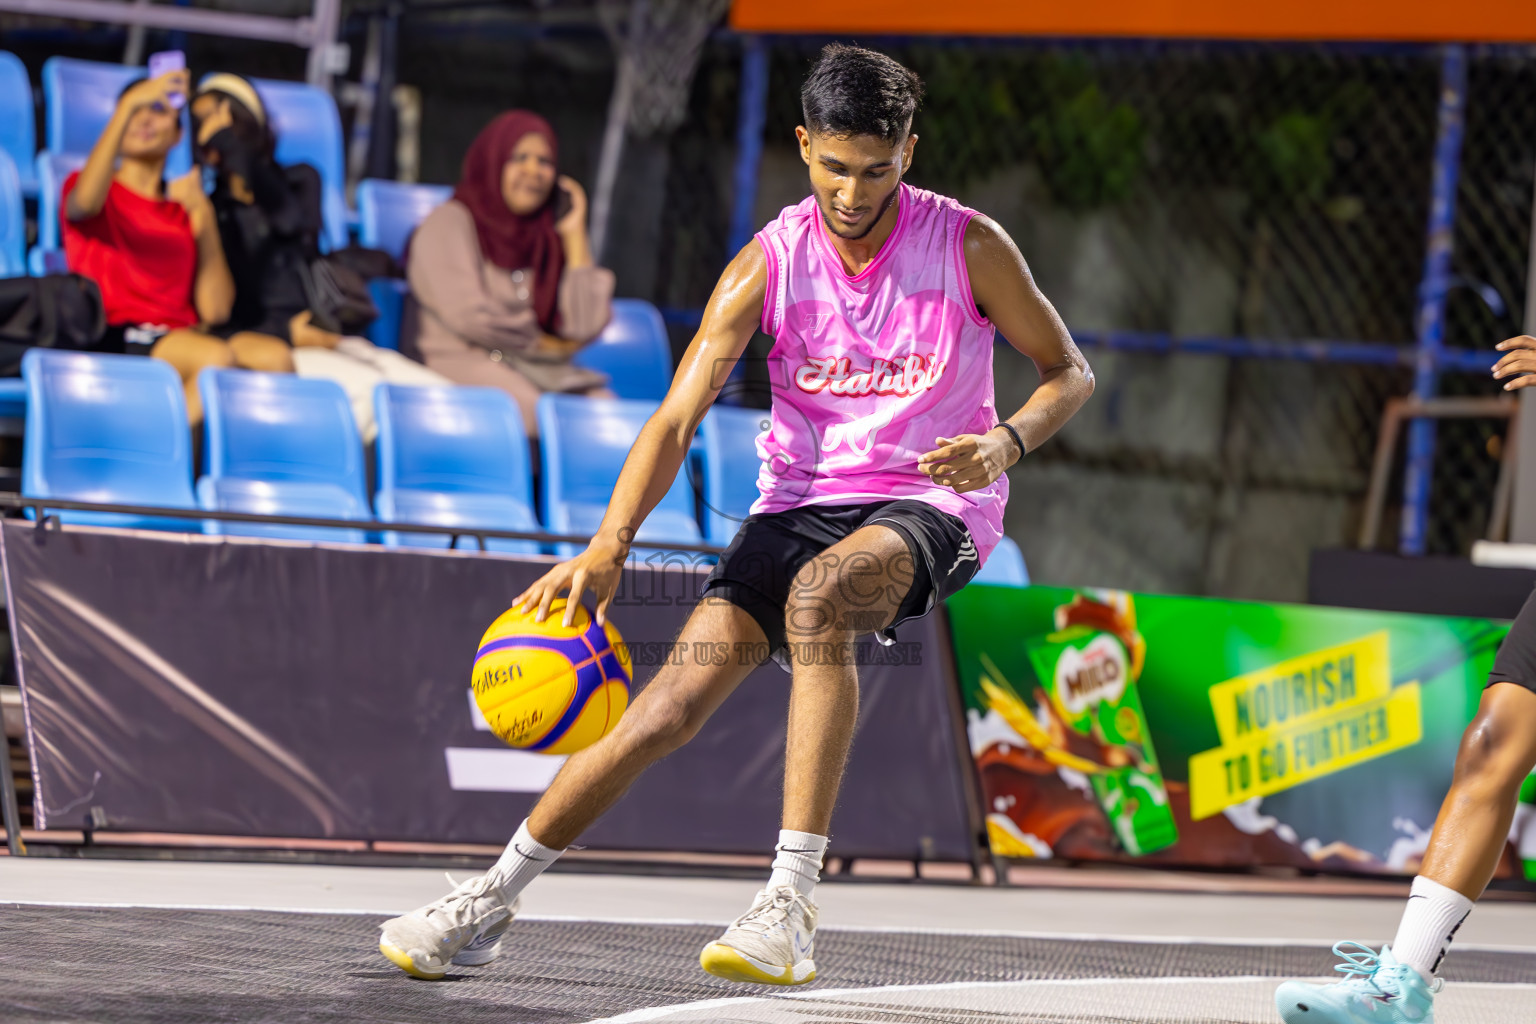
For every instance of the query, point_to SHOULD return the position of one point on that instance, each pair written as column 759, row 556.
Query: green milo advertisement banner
column 1107, row 725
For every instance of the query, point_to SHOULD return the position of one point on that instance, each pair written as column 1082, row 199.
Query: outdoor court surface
column 128, row 941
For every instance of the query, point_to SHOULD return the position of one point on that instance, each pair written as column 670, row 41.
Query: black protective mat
column 125, row 966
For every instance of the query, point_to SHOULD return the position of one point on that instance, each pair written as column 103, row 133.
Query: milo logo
column 1092, row 675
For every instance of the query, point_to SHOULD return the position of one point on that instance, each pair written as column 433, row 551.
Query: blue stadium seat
column 13, row 220
column 387, row 214
column 79, row 97
column 389, row 295
column 47, row 256
column 281, row 498
column 731, row 465
column 634, row 351
column 584, row 442
column 1005, row 566
column 453, row 457
column 462, row 509
column 294, row 435
column 13, row 406
column 110, row 429
column 308, row 131
column 388, row 211
column 18, row 120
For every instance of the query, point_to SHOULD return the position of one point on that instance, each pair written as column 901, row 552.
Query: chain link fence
column 1172, row 191
column 1488, row 299
column 1264, row 192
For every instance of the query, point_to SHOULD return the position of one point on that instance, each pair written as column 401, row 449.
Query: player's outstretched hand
column 1519, row 358
column 596, row 569
column 968, row 462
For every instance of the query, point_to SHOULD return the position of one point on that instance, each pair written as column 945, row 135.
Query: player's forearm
column 658, row 453
column 650, row 469
column 1062, row 391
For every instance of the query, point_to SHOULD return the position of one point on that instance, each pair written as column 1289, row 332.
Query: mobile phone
column 563, row 201
column 169, row 60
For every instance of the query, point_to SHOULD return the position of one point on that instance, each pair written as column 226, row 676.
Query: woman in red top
column 154, row 248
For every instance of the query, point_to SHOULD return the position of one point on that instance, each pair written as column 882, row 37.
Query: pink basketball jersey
column 868, row 371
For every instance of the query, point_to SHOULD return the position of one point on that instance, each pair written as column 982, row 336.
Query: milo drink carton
column 1087, row 679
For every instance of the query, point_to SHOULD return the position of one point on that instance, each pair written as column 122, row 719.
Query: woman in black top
column 270, row 222
column 269, row 215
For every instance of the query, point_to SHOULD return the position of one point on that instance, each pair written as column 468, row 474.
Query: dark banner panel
column 1426, row 584
column 176, row 683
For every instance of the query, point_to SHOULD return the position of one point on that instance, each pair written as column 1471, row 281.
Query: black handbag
column 338, row 297
column 57, row 311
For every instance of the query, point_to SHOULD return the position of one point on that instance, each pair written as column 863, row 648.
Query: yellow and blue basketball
column 549, row 687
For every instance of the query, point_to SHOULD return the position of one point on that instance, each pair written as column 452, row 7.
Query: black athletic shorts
column 1516, row 660
column 758, row 569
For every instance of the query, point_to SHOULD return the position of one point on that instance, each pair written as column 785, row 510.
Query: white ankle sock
column 798, row 861
column 1433, row 914
column 524, row 859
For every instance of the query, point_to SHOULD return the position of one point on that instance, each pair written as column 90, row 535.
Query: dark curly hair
column 853, row 91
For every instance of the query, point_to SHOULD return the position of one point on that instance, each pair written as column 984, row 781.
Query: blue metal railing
column 40, row 508
column 1310, row 350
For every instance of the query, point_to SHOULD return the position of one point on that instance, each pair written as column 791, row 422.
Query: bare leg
column 853, row 587
column 667, row 714
column 262, row 352
column 1497, row 752
column 189, row 351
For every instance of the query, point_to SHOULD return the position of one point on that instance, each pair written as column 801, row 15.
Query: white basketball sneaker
column 771, row 944
column 464, row 928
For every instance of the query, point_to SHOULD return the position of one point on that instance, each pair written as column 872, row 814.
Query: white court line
column 657, row 1012
column 669, row 922
column 1173, row 940
column 234, row 907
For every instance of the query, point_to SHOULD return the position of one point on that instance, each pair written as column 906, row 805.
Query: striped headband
column 239, row 88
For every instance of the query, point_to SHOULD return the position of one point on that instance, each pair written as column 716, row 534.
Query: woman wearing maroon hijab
column 502, row 274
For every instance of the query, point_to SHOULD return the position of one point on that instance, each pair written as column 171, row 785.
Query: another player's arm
column 729, row 321
column 1003, row 288
column 1519, row 358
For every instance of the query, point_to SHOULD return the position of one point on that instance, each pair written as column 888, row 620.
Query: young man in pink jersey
column 882, row 492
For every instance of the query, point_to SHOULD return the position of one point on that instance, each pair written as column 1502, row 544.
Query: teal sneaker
column 1375, row 990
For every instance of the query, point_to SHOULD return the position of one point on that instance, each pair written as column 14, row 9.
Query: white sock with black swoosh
column 524, row 859
column 797, row 861
column 1433, row 914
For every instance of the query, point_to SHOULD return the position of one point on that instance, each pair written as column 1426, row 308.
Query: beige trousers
column 358, row 366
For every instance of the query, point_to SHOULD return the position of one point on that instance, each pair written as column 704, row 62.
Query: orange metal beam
column 1385, row 20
